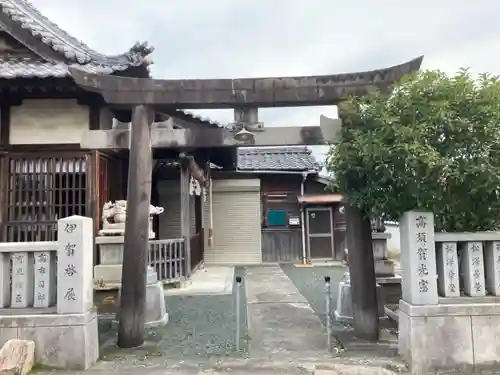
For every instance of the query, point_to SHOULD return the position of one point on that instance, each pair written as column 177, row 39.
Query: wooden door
column 320, row 232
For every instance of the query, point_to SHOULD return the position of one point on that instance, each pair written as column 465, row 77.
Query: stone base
column 379, row 245
column 66, row 341
column 384, row 268
column 391, row 289
column 452, row 337
column 110, row 249
column 156, row 310
column 107, row 277
column 343, row 312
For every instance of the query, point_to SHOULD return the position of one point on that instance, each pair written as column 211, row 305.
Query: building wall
column 281, row 243
column 170, row 219
column 52, row 121
column 314, row 187
column 284, row 243
column 239, row 202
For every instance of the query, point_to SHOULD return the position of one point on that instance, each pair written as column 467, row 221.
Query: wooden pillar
column 4, row 122
column 362, row 274
column 210, row 219
column 198, row 209
column 133, row 292
column 204, row 206
column 4, row 164
column 185, row 214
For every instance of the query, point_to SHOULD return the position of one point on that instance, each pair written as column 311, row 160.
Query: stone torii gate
column 145, row 96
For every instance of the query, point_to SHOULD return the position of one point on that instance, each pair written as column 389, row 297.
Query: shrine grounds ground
column 282, row 327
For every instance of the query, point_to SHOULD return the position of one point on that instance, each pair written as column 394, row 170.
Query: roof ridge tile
column 30, row 18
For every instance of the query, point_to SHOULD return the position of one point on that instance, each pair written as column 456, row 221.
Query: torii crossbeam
column 165, row 94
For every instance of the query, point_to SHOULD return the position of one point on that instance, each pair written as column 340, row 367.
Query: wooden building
column 45, row 175
column 257, row 209
column 299, row 216
column 44, row 172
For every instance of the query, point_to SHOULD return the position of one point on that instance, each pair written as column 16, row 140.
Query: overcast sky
column 255, row 38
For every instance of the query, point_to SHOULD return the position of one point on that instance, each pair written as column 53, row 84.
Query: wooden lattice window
column 41, row 190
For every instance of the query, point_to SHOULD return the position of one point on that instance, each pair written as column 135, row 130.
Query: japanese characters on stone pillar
column 473, row 269
column 418, row 258
column 45, row 279
column 75, row 265
column 22, row 280
column 447, row 258
column 492, row 265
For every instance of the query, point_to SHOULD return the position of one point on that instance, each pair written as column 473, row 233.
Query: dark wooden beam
column 5, row 124
column 44, row 147
column 94, row 117
column 133, row 292
column 185, row 214
column 194, row 169
column 229, row 93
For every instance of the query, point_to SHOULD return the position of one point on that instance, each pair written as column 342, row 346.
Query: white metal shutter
column 236, row 222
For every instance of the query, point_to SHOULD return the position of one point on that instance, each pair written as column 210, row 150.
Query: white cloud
column 247, row 38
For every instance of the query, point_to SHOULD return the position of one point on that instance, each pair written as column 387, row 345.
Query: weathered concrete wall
column 44, row 121
column 48, row 121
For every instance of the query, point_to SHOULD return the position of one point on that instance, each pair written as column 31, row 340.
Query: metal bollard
column 238, row 291
column 328, row 298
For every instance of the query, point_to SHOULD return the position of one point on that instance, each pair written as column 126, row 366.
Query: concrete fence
column 449, row 316
column 46, row 295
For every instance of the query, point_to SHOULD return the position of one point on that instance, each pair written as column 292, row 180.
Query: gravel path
column 199, row 326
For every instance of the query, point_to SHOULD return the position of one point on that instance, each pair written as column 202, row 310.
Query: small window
column 276, row 218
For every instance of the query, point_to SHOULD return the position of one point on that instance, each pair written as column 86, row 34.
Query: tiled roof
column 297, row 158
column 13, row 67
column 71, row 50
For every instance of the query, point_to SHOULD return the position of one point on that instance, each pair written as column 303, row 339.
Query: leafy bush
column 432, row 144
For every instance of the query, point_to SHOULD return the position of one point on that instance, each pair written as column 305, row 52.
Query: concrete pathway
column 208, row 280
column 281, row 323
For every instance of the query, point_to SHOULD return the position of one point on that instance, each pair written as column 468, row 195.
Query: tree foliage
column 432, row 144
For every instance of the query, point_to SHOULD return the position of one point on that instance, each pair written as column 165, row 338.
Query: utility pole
column 133, row 292
column 362, row 275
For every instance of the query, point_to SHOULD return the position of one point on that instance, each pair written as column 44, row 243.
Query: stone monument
column 111, row 238
column 343, row 311
column 384, row 267
column 114, row 215
column 108, row 274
